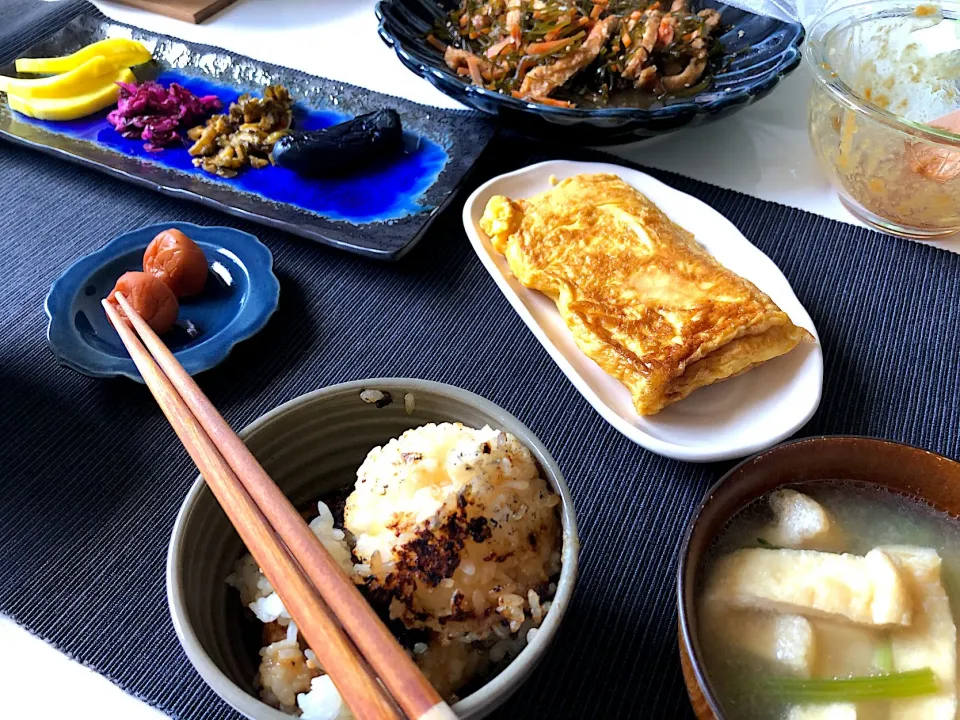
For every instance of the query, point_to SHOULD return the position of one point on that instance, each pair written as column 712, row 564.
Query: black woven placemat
column 92, row 475
column 25, row 22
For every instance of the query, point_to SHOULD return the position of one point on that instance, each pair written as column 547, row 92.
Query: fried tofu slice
column 785, row 641
column 931, row 641
column 800, row 522
column 867, row 590
column 844, row 649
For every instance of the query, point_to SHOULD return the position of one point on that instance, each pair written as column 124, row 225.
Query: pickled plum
column 177, row 261
column 150, row 297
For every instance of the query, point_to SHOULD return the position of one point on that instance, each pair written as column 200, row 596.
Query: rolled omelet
column 641, row 297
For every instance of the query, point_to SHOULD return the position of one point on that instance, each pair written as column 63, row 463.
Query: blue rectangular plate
column 379, row 211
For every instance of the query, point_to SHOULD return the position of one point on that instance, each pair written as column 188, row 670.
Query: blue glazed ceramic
column 379, row 210
column 241, row 294
column 757, row 52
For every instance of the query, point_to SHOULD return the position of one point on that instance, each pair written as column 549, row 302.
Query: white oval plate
column 730, row 419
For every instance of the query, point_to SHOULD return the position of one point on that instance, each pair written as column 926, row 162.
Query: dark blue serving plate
column 379, row 210
column 240, row 296
column 757, row 52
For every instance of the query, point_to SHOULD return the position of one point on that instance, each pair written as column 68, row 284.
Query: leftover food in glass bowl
column 885, row 113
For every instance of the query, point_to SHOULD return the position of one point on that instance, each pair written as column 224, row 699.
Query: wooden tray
column 191, row 11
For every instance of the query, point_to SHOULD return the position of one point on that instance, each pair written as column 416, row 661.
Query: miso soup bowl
column 312, row 446
column 900, row 468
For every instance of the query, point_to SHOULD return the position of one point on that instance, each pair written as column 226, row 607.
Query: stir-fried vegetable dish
column 575, row 52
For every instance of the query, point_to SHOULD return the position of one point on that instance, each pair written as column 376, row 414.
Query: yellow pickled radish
column 122, row 52
column 70, row 108
column 78, row 81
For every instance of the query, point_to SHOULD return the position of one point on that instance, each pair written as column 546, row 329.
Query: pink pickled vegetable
column 151, row 112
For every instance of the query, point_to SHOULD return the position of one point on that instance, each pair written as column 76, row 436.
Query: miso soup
column 833, row 601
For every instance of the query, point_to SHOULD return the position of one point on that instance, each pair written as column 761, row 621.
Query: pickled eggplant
column 335, row 149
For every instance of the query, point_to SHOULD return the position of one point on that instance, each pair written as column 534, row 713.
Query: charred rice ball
column 455, row 526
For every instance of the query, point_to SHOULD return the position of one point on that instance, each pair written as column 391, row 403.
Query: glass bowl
column 882, row 71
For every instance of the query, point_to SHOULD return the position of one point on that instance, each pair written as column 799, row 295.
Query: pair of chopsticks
column 354, row 647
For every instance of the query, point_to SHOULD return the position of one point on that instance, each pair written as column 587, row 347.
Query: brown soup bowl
column 903, row 469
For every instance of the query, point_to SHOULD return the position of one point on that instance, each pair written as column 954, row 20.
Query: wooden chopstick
column 339, row 658
column 414, row 693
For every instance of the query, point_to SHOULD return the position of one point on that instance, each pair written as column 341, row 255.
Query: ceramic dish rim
column 254, row 316
column 632, row 432
column 484, row 699
column 787, row 62
column 687, row 637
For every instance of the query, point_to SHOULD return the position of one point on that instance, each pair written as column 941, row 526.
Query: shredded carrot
column 498, row 47
column 462, row 71
column 542, row 48
column 464, row 20
column 555, row 33
column 473, row 36
column 474, row 66
column 636, row 15
column 438, row 44
column 595, row 13
column 627, row 40
column 555, row 103
column 537, row 15
column 517, row 94
column 654, row 6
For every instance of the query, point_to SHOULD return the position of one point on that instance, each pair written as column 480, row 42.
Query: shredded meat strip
column 456, row 59
column 513, row 23
column 543, row 80
column 712, row 18
column 644, row 48
column 687, row 77
column 647, row 79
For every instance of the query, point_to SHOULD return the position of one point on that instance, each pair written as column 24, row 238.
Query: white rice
column 323, row 702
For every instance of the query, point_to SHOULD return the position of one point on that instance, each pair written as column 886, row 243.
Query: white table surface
column 761, row 151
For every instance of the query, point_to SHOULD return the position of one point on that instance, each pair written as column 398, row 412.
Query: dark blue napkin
column 91, row 475
column 25, row 22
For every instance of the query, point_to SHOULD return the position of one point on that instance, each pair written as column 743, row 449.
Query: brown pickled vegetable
column 243, row 136
column 178, row 261
column 150, row 297
column 577, row 52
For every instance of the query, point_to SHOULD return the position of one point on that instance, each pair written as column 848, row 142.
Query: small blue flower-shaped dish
column 755, row 53
column 240, row 296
